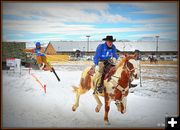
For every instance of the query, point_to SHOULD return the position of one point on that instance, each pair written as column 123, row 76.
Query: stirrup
column 99, row 89
column 42, row 66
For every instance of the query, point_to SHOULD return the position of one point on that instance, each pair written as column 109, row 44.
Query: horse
column 116, row 85
column 152, row 60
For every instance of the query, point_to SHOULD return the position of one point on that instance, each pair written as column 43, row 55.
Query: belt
column 103, row 60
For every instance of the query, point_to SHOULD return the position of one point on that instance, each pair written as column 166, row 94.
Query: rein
column 127, row 70
column 119, row 87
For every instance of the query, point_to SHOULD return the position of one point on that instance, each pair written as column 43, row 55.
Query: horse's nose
column 123, row 111
column 136, row 76
column 119, row 109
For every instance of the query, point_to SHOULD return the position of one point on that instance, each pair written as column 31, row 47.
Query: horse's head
column 129, row 71
column 133, row 66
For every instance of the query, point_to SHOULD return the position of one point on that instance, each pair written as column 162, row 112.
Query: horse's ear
column 125, row 55
column 135, row 56
column 131, row 56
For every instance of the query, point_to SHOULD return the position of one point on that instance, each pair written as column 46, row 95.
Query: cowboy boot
column 99, row 77
column 41, row 66
column 97, row 81
column 100, row 87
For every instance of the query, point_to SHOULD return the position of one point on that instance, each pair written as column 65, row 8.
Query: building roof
column 67, row 46
column 50, row 49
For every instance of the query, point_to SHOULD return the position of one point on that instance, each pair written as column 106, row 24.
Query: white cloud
column 43, row 39
column 158, row 20
column 63, row 12
column 143, row 35
column 52, row 18
column 163, row 8
column 168, row 35
column 168, row 9
column 43, row 27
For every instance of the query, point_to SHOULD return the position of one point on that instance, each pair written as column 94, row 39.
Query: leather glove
column 92, row 70
column 114, row 60
column 97, row 68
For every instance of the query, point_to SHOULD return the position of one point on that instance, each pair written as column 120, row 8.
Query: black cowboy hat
column 109, row 38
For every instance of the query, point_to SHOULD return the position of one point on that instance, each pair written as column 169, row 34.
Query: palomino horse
column 116, row 86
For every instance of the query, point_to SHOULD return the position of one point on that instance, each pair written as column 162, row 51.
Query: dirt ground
column 91, row 62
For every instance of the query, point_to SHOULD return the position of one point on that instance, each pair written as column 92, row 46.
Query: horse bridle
column 120, row 88
column 123, row 92
column 128, row 68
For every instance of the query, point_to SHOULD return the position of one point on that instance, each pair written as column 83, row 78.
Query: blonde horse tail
column 75, row 89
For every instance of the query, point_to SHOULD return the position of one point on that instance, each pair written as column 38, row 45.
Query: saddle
column 109, row 70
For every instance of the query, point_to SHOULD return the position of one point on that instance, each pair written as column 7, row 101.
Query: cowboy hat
column 109, row 38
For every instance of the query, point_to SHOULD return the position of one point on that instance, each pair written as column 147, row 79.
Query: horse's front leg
column 99, row 104
column 107, row 108
column 75, row 106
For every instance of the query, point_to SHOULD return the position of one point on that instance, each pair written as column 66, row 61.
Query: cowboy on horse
column 114, row 80
column 105, row 52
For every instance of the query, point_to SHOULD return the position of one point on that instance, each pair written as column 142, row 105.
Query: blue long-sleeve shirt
column 38, row 52
column 104, row 53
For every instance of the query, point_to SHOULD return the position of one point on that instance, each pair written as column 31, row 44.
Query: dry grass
column 56, row 58
column 64, row 59
column 161, row 62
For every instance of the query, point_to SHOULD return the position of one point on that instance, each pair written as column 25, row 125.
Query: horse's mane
column 126, row 58
column 121, row 63
column 114, row 70
column 118, row 66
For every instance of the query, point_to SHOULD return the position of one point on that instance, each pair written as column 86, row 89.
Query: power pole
column 157, row 45
column 123, row 46
column 88, row 44
column 139, row 63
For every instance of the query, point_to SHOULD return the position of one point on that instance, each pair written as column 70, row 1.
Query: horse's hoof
column 97, row 109
column 73, row 108
column 122, row 112
column 107, row 123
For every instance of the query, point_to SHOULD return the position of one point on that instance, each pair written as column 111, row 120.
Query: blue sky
column 73, row 21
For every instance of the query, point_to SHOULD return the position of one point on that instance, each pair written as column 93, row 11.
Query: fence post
column 45, row 88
